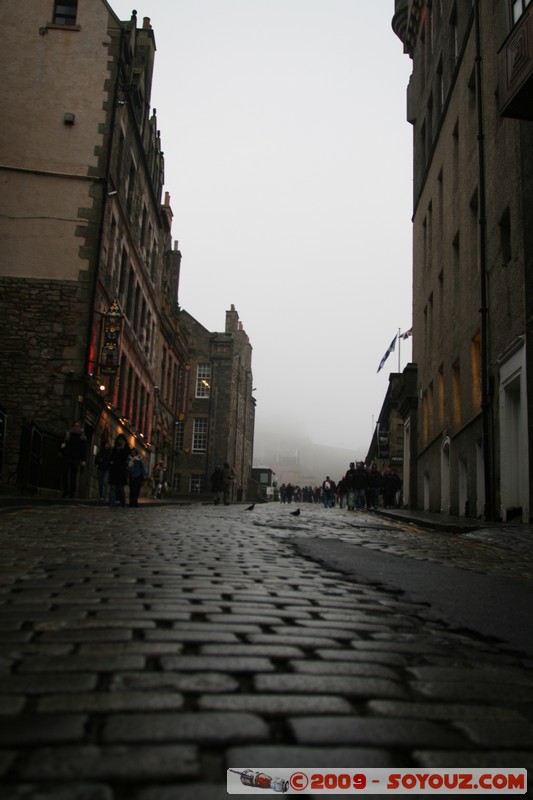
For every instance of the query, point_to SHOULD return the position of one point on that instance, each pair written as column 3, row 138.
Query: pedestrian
column 349, row 479
column 159, row 477
column 289, row 492
column 375, row 485
column 328, row 492
column 341, row 493
column 101, row 461
column 228, row 476
column 360, row 484
column 137, row 472
column 217, row 484
column 391, row 485
column 73, row 454
column 118, row 471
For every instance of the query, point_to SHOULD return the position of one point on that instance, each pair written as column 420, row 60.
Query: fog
column 288, row 161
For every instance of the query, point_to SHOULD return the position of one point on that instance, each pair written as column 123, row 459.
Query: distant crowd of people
column 359, row 488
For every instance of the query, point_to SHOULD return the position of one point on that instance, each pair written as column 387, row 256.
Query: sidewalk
column 515, row 538
column 438, row 522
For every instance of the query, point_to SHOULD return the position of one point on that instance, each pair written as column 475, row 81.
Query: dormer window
column 65, row 12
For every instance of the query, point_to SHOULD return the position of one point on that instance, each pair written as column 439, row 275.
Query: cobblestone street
column 145, row 651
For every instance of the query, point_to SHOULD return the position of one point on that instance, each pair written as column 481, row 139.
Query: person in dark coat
column 228, row 476
column 391, row 485
column 360, row 483
column 375, row 484
column 350, row 487
column 118, row 471
column 73, row 454
column 102, row 460
column 328, row 492
column 217, row 484
column 137, row 472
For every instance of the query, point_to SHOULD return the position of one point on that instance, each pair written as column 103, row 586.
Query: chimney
column 146, row 22
column 232, row 320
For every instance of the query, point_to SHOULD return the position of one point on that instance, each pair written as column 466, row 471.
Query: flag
column 390, row 350
column 407, row 334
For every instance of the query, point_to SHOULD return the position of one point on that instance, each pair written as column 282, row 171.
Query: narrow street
column 145, row 651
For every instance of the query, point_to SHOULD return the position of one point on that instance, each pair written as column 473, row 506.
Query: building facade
column 472, row 254
column 89, row 275
column 387, row 444
column 217, row 412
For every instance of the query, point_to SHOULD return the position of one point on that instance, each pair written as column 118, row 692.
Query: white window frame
column 196, row 484
column 203, row 380
column 199, row 434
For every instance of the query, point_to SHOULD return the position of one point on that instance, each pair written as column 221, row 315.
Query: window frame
column 203, row 381
column 62, row 16
column 199, row 435
column 196, row 484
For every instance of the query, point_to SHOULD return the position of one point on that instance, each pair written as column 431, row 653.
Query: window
column 123, row 274
column 441, row 396
column 144, row 222
column 130, row 295
column 203, row 380
column 131, row 186
column 456, row 394
column 454, row 39
column 65, row 12
column 505, row 237
column 476, row 373
column 197, row 484
column 518, row 7
column 180, row 430
column 199, row 435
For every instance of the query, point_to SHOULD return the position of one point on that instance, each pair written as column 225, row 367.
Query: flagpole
column 399, row 347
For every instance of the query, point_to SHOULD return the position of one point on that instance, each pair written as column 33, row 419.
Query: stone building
column 217, row 411
column 88, row 274
column 472, row 251
column 387, row 444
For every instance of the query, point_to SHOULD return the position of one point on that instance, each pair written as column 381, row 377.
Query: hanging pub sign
column 383, row 443
column 112, row 323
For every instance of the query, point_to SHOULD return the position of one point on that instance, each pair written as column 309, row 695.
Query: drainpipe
column 484, row 310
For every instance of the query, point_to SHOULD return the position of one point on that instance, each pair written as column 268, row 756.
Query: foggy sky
column 289, row 164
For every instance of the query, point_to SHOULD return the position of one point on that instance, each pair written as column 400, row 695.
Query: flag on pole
column 391, row 348
column 407, row 334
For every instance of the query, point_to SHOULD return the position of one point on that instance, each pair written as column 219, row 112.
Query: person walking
column 217, row 484
column 341, row 493
column 391, row 485
column 328, row 492
column 159, row 476
column 73, row 454
column 118, row 471
column 375, row 484
column 101, row 461
column 228, row 476
column 360, row 483
column 349, row 480
column 137, row 472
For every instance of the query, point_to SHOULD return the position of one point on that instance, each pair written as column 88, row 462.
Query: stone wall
column 42, row 330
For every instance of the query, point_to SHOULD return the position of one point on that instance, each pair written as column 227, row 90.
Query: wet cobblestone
column 144, row 653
